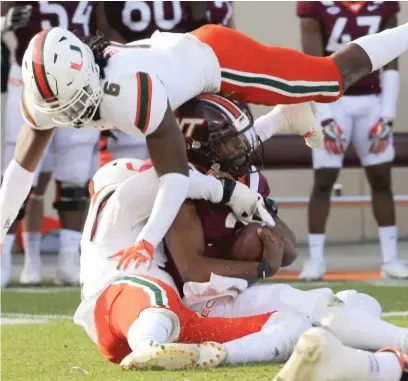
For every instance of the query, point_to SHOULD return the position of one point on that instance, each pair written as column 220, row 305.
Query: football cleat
column 175, row 356
column 211, row 355
column 313, row 270
column 31, row 274
column 394, row 270
column 150, row 355
column 320, row 356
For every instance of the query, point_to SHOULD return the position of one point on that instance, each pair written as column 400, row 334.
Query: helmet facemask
column 232, row 147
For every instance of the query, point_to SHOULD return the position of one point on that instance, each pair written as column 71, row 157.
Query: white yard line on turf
column 40, row 290
column 36, row 316
column 395, row 314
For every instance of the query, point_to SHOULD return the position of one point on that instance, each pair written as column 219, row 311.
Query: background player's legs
column 378, row 171
column 125, row 146
column 73, row 160
column 33, row 219
column 32, row 225
column 326, row 170
column 13, row 121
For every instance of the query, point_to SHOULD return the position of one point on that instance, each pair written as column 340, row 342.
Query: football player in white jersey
column 144, row 310
column 135, row 88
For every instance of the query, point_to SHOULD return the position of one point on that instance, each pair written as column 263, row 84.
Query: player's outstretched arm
column 169, row 158
column 185, row 241
column 18, row 177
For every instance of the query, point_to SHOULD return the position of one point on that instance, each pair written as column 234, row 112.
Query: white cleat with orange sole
column 174, row 356
column 320, row 356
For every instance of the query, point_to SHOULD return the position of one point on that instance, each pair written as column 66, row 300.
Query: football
column 247, row 245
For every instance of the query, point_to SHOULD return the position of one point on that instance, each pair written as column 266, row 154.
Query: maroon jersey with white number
column 137, row 20
column 71, row 15
column 344, row 21
column 220, row 224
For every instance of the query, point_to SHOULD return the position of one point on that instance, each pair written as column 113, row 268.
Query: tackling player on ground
column 133, row 314
column 98, row 86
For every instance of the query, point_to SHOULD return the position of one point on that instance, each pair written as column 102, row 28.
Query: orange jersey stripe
column 38, row 67
column 234, row 110
column 144, row 101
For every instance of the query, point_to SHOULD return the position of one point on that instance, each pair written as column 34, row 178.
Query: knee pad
column 364, row 302
column 70, row 197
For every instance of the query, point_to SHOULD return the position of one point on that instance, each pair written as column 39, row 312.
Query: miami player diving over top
column 135, row 87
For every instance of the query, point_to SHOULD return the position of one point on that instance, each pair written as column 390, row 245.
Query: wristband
column 264, row 269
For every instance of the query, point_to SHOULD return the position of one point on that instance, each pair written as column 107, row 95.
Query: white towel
column 217, row 287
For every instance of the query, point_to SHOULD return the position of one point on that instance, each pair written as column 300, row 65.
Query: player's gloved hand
column 379, row 136
column 17, row 17
column 141, row 252
column 247, row 206
column 334, row 139
column 301, row 120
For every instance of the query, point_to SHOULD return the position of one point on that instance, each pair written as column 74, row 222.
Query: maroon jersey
column 71, row 15
column 137, row 20
column 220, row 224
column 344, row 21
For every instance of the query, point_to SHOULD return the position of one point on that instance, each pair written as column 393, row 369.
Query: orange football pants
column 269, row 75
column 122, row 302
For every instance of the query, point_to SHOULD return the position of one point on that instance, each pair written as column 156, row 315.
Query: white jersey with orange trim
column 117, row 214
column 142, row 78
column 115, row 217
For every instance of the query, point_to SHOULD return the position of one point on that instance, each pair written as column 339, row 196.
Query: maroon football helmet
column 219, row 134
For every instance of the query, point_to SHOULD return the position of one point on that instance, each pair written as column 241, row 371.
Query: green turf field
column 40, row 342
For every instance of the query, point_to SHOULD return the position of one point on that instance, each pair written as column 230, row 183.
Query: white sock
column 32, row 244
column 274, row 343
column 316, row 246
column 8, row 243
column 150, row 325
column 7, row 246
column 357, row 329
column 69, row 241
column 384, row 366
column 258, row 347
column 385, row 46
column 388, row 243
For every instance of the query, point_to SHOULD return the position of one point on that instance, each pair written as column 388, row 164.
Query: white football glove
column 247, row 206
column 17, row 17
column 301, row 120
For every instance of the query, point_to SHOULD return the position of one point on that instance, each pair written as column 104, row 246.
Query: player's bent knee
column 324, row 180
column 363, row 302
column 154, row 320
column 71, row 197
